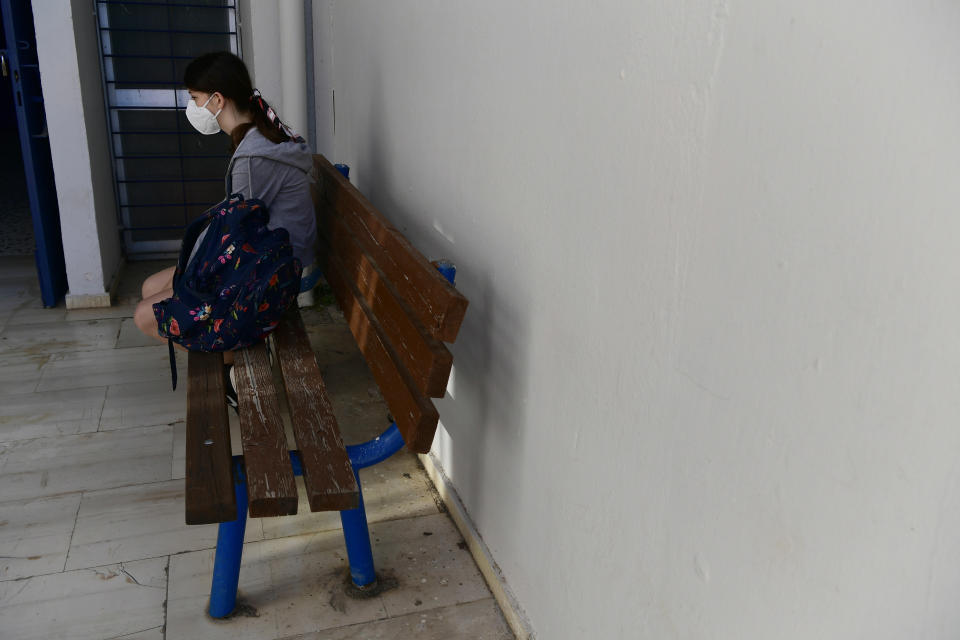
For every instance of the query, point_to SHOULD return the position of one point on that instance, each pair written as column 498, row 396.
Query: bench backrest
column 400, row 309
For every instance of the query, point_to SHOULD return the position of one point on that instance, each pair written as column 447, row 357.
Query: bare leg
column 160, row 281
column 155, row 288
column 145, row 320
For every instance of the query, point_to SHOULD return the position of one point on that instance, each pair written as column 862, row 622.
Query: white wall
column 709, row 382
column 73, row 100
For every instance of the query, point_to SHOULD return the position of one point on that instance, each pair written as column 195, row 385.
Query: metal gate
column 166, row 173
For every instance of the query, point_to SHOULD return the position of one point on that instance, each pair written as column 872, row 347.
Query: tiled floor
column 92, row 540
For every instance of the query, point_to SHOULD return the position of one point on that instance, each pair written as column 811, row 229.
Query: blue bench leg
column 357, row 537
column 355, row 531
column 226, row 565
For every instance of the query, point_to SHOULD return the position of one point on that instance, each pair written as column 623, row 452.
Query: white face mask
column 201, row 118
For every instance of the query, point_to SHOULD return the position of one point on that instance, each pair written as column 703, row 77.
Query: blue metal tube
column 226, row 565
column 310, row 280
column 296, row 462
column 356, row 535
column 376, row 450
column 448, row 270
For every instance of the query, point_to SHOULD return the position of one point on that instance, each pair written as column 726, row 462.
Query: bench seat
column 328, row 475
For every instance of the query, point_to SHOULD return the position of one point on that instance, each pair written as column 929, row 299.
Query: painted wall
column 708, row 383
column 73, row 100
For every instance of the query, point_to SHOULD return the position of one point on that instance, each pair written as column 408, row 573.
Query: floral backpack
column 236, row 287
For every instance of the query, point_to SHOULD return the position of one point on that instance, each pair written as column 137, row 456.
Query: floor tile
column 131, row 336
column 106, row 367
column 143, row 521
column 36, row 314
column 85, row 462
column 35, row 535
column 95, row 604
column 18, row 268
column 144, row 404
column 396, row 488
column 21, row 373
column 295, row 585
column 50, row 413
column 479, row 620
column 424, row 556
column 116, row 311
column 57, row 337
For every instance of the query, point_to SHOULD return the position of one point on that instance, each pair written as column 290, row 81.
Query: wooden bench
column 400, row 310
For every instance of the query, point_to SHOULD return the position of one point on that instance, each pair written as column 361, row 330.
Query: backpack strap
column 173, row 364
column 190, row 235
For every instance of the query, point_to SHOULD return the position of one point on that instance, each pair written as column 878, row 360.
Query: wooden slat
column 327, row 474
column 209, row 494
column 271, row 488
column 427, row 359
column 415, row 415
column 437, row 304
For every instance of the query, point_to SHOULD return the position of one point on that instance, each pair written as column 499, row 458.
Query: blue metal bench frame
column 356, row 534
column 226, row 565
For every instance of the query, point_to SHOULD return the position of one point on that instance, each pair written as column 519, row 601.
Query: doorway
column 20, row 77
column 16, row 222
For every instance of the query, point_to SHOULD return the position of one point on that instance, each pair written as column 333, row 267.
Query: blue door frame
column 22, row 69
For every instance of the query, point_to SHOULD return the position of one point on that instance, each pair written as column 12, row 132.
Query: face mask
column 201, row 118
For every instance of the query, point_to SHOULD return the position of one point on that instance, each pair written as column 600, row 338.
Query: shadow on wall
column 488, row 410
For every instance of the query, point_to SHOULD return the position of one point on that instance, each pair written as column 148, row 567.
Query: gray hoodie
column 279, row 175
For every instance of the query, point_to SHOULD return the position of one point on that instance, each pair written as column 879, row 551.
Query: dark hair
column 225, row 73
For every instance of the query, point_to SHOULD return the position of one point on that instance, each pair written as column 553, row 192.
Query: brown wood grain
column 327, row 474
column 271, row 488
column 427, row 359
column 413, row 411
column 436, row 303
column 209, row 494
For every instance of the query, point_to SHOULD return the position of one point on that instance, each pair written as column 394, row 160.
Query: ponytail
column 267, row 122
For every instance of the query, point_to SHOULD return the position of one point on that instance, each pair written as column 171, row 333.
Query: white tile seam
column 103, row 405
column 88, row 433
column 166, row 599
column 116, row 338
column 117, row 563
column 65, row 493
column 36, row 498
column 76, row 517
column 138, row 631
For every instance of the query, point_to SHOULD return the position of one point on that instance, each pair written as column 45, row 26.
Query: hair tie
column 257, row 99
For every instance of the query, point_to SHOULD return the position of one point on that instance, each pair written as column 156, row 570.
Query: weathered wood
column 209, row 493
column 427, row 359
column 327, row 474
column 436, row 303
column 415, row 415
column 271, row 488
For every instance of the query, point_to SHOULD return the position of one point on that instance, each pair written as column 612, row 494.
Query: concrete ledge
column 511, row 608
column 88, row 300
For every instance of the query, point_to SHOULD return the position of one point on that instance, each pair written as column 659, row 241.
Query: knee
column 144, row 319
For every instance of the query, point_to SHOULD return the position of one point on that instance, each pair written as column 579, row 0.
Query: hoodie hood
column 254, row 145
